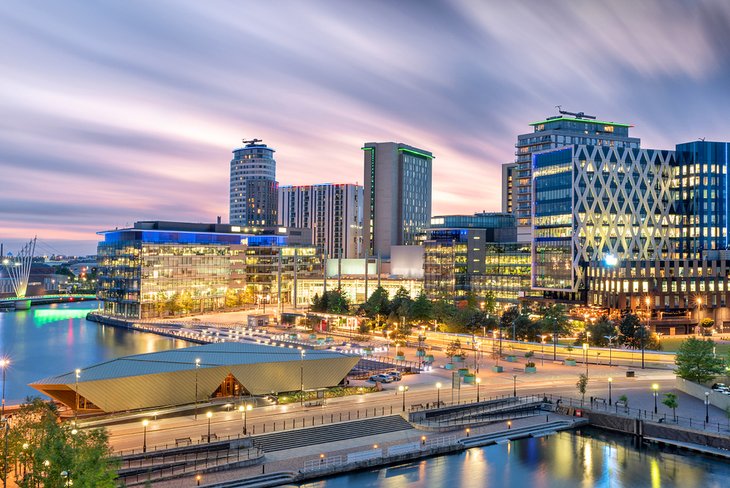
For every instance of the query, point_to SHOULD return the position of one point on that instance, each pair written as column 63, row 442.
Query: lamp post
column 514, row 385
column 197, row 366
column 585, row 356
column 78, row 375
column 610, row 339
column 699, row 315
column 610, row 380
column 438, row 393
column 707, row 407
column 145, row 423
column 542, row 349
column 4, row 362
column 479, row 382
column 67, row 481
column 655, row 392
column 647, row 300
column 301, row 379
column 403, row 390
column 209, row 415
column 244, row 415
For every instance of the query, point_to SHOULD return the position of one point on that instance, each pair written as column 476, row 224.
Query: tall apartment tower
column 333, row 211
column 253, row 197
column 509, row 172
column 397, row 196
column 565, row 129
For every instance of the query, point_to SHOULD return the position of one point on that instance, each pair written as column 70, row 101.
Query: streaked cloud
column 119, row 111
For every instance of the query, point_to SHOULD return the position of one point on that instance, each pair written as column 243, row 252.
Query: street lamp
column 438, row 393
column 647, row 300
column 78, row 375
column 610, row 380
column 197, row 366
column 699, row 314
column 610, row 339
column 145, row 423
column 514, row 385
column 585, row 356
column 301, row 379
column 67, row 481
column 209, row 415
column 4, row 362
column 655, row 391
column 403, row 390
column 479, row 382
column 542, row 349
column 244, row 414
column 707, row 407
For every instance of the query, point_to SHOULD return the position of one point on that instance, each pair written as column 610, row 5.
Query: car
column 395, row 375
column 381, row 378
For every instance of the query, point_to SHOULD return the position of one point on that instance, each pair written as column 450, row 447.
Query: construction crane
column 578, row 115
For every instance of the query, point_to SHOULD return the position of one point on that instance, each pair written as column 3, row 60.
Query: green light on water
column 49, row 315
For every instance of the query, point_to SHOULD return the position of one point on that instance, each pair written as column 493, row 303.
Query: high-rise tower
column 397, row 196
column 253, row 197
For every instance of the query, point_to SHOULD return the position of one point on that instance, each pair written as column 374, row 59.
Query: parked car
column 382, row 378
column 395, row 375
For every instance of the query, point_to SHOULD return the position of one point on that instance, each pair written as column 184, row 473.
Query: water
column 55, row 339
column 591, row 458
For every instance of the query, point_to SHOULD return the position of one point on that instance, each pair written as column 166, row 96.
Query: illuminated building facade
column 332, row 211
column 397, row 196
column 561, row 130
column 158, row 268
column 253, row 186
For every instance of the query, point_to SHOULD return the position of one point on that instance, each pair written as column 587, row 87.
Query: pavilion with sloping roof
column 191, row 374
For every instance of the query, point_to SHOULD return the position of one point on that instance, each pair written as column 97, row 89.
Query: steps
column 503, row 436
column 291, row 439
column 260, row 481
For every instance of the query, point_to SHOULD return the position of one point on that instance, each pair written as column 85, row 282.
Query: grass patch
column 671, row 344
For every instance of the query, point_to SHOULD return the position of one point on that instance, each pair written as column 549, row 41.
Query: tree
column 232, row 298
column 489, row 303
column 49, row 443
column 706, row 326
column 526, row 329
column 555, row 321
column 453, row 349
column 599, row 330
column 670, row 400
column 582, row 386
column 630, row 331
column 337, row 302
column 422, row 309
column 377, row 304
column 696, row 362
column 508, row 317
column 401, row 304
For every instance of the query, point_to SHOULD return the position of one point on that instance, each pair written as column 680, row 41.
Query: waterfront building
column 353, row 285
column 597, row 204
column 333, row 212
column 397, row 196
column 253, row 186
column 160, row 268
column 561, row 130
column 195, row 374
column 476, row 254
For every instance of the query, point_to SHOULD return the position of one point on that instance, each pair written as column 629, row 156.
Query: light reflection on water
column 590, row 458
column 55, row 339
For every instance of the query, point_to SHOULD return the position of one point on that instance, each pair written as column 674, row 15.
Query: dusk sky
column 117, row 111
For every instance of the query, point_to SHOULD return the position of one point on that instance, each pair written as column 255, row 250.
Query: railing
column 642, row 414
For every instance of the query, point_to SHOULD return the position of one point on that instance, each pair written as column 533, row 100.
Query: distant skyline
column 121, row 111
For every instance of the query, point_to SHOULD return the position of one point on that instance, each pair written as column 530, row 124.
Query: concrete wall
column 698, row 391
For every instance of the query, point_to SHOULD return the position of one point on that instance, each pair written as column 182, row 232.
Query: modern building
column 509, row 179
column 253, row 191
column 597, row 204
column 561, row 130
column 397, row 196
column 475, row 255
column 160, row 268
column 333, row 212
column 195, row 374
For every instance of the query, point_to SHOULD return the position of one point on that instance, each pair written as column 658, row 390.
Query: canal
column 54, row 339
column 588, row 458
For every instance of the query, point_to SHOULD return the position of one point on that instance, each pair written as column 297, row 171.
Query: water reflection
column 55, row 339
column 590, row 458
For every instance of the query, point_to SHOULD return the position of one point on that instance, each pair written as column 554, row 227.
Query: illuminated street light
column 438, row 394
column 610, row 380
column 403, row 390
column 197, row 366
column 145, row 423
column 244, row 414
column 479, row 382
column 209, row 415
column 655, row 392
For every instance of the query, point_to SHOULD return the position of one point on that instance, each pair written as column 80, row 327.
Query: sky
column 118, row 111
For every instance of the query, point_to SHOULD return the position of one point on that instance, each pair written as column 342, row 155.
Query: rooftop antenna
column 577, row 115
column 251, row 142
column 702, row 139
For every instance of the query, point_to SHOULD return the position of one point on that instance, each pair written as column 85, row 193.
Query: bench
column 519, row 370
column 314, row 404
column 183, row 441
column 599, row 400
column 621, row 404
column 206, row 438
column 416, row 406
